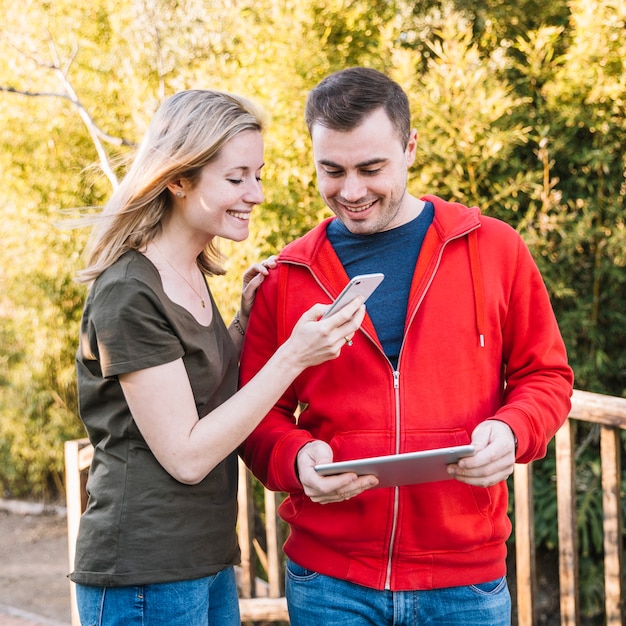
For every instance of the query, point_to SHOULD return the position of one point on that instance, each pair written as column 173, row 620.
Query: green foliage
column 40, row 312
column 578, row 220
column 468, row 132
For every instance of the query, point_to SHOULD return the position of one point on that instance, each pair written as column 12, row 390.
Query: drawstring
column 477, row 281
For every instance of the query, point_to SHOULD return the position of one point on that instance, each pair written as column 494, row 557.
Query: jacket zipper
column 396, row 490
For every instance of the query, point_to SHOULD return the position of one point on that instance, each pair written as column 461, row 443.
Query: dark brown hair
column 342, row 100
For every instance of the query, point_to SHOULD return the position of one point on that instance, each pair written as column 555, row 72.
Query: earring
column 179, row 194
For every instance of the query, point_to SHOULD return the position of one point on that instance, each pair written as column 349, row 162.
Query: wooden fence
column 262, row 599
column 610, row 414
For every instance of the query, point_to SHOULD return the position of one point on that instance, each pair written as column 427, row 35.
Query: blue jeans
column 317, row 600
column 209, row 601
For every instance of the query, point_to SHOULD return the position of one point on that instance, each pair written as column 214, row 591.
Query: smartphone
column 362, row 285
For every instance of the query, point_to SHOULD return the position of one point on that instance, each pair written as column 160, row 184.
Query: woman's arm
column 161, row 400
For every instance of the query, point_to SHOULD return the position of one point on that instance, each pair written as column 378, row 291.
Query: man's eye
column 333, row 172
column 372, row 172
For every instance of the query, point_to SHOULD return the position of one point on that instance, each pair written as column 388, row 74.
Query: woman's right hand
column 314, row 340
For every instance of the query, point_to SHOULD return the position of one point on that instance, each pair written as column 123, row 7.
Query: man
column 460, row 345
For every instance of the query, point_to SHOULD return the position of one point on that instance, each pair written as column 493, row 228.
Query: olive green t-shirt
column 142, row 526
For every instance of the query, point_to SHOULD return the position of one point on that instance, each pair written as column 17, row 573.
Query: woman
column 157, row 371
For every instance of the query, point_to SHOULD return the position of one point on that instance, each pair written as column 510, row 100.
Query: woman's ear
column 177, row 187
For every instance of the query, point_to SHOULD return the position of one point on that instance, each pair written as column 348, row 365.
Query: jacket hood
column 451, row 221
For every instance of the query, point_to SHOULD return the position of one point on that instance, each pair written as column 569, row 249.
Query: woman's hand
column 314, row 340
column 252, row 280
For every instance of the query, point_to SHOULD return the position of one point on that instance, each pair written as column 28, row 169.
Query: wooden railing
column 262, row 599
column 610, row 413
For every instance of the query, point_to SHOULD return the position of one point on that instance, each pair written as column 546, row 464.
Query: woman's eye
column 235, row 181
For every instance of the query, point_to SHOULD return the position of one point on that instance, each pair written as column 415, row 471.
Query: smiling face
column 221, row 202
column 362, row 174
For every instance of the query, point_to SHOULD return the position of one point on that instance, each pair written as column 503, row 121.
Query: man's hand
column 327, row 489
column 494, row 459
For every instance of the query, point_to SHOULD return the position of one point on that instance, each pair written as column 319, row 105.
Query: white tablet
column 402, row 469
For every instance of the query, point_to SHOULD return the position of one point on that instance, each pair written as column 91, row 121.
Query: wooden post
column 78, row 456
column 568, row 541
column 273, row 529
column 245, row 530
column 525, row 575
column 610, row 453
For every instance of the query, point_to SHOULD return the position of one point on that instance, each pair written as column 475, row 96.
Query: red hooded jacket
column 480, row 341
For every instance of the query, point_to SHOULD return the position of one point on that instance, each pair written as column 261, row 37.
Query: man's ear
column 411, row 148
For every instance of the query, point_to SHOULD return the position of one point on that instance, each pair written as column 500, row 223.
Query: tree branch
column 69, row 94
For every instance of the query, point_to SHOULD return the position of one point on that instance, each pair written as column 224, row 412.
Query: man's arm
column 536, row 398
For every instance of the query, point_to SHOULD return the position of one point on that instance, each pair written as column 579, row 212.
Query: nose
column 255, row 193
column 353, row 188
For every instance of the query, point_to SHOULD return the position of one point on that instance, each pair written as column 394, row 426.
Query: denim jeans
column 317, row 600
column 209, row 601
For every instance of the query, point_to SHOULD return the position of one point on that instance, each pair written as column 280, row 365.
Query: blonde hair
column 187, row 132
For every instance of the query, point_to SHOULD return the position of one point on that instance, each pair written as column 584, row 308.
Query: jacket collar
column 452, row 220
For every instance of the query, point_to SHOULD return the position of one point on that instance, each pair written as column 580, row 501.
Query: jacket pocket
column 360, row 444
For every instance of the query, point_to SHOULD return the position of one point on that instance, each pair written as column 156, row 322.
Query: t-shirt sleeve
column 129, row 329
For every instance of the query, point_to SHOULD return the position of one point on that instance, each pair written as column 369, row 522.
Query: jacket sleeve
column 271, row 449
column 538, row 378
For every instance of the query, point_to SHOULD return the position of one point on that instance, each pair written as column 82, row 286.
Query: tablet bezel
column 409, row 468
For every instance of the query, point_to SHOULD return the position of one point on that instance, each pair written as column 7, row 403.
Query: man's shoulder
column 497, row 225
column 453, row 216
column 305, row 248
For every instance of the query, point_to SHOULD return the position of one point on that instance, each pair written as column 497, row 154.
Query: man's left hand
column 494, row 460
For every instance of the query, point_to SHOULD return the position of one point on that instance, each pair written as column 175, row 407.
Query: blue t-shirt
column 394, row 253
